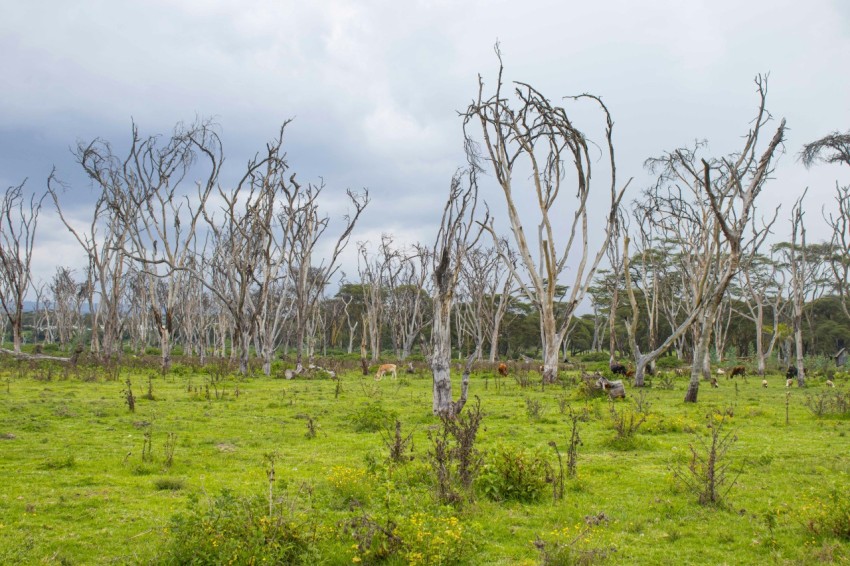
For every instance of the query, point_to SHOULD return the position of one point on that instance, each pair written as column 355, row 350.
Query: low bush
column 513, row 473
column 372, row 417
column 236, row 530
column 829, row 517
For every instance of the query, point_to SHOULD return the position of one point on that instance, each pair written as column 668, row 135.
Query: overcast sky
column 375, row 87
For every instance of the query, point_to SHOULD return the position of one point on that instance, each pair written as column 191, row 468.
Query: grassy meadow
column 185, row 477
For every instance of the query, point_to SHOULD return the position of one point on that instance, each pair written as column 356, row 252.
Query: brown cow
column 738, row 370
column 503, row 370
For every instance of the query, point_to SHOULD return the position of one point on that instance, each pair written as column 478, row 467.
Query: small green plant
column 625, row 422
column 372, row 417
column 129, row 398
column 514, row 473
column 237, row 530
column 533, row 408
column 168, row 447
column 570, row 546
column 59, row 463
column 400, row 447
column 149, row 395
column 709, row 474
column 830, row 517
column 311, row 427
column 574, row 443
column 169, row 484
column 832, row 402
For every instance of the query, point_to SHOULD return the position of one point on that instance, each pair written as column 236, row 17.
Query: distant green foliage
column 514, row 473
column 668, row 362
column 595, row 357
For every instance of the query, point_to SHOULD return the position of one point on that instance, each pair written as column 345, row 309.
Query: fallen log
column 615, row 389
column 22, row 355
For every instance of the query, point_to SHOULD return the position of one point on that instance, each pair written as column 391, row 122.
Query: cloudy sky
column 375, row 87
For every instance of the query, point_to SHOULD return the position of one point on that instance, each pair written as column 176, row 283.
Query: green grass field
column 81, row 484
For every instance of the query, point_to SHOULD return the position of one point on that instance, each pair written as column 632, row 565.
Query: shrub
column 372, row 417
column 169, row 484
column 236, row 530
column 830, row 517
column 349, row 485
column 513, row 473
column 834, row 402
column 59, row 463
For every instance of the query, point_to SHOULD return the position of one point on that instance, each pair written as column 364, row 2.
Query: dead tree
column 67, row 301
column 761, row 288
column 839, row 259
column 407, row 299
column 18, row 224
column 533, row 135
column 707, row 206
column 373, row 279
column 104, row 240
column 487, row 293
column 457, row 234
column 799, row 273
column 309, row 281
column 147, row 193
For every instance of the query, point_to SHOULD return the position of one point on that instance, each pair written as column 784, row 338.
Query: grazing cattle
column 384, row 369
column 720, row 371
column 829, row 383
column 764, row 383
column 503, row 370
column 617, row 368
column 738, row 370
column 714, row 382
column 792, row 372
column 789, row 382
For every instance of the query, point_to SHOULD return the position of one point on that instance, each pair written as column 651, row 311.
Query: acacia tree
column 18, row 223
column 456, row 235
column 533, row 135
column 706, row 206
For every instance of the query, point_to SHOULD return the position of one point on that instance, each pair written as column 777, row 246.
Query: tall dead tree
column 761, row 288
column 148, row 195
column 798, row 265
column 835, row 148
column 373, row 280
column 104, row 240
column 67, row 300
column 301, row 204
column 18, row 224
column 535, row 140
column 456, row 235
column 712, row 202
column 407, row 299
